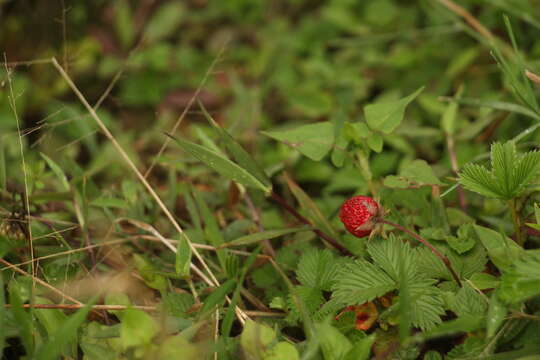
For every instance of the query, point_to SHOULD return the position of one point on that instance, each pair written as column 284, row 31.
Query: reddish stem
column 330, row 240
column 436, row 252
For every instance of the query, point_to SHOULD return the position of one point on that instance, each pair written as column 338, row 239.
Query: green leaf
column 361, row 349
column 393, row 256
column 448, row 121
column 22, row 318
column 360, row 282
column 218, row 296
column 468, row 302
column 263, row 235
column 164, row 21
column 241, row 156
column 228, row 320
column 426, row 305
column 386, row 116
column 334, row 345
column 212, row 231
column 183, row 256
column 477, row 178
column 312, row 140
column 503, row 158
column 496, row 314
column 521, row 279
column 465, row 240
column 137, row 328
column 416, row 173
column 222, row 165
column 282, row 350
column 375, row 142
column 318, row 269
column 501, row 250
column 57, row 171
column 497, row 105
column 509, row 176
column 312, row 210
column 54, row 347
column 255, row 339
column 483, row 281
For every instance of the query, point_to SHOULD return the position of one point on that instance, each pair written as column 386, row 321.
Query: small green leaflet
column 222, row 165
column 183, row 256
column 416, row 173
column 312, row 140
column 387, row 115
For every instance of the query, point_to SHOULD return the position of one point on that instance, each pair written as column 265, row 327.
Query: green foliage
column 510, row 173
column 393, row 262
column 300, row 102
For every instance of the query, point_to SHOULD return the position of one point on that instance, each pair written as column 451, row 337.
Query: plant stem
column 512, row 204
column 436, row 252
column 330, row 240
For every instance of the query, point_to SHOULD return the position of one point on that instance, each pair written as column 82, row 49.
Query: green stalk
column 512, row 204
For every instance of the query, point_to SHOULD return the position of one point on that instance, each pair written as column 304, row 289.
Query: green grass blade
column 241, row 156
column 218, row 296
column 222, row 165
column 2, row 314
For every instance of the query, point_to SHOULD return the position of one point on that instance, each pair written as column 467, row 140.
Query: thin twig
column 330, row 240
column 436, row 252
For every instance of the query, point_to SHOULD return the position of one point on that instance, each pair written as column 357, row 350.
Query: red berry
column 357, row 214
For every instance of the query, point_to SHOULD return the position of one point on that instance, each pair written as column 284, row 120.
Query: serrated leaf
column 478, row 179
column 503, row 158
column 222, row 165
column 468, row 302
column 360, row 282
column 465, row 240
column 241, row 156
column 393, row 256
column 361, row 348
column 318, row 269
column 386, row 116
column 311, row 299
column 312, row 140
column 426, row 307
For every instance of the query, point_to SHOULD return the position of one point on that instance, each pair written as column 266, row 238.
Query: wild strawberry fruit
column 358, row 214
